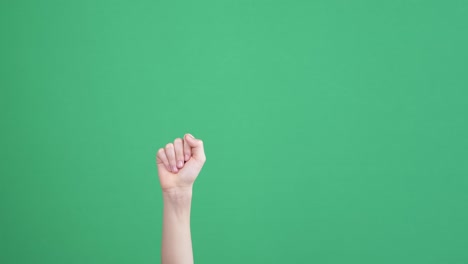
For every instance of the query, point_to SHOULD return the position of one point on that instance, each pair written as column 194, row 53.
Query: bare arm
column 179, row 164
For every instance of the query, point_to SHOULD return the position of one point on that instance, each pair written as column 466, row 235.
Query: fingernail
column 169, row 168
column 187, row 157
column 174, row 169
column 180, row 164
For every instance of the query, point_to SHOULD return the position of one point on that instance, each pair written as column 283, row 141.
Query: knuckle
column 178, row 140
column 160, row 151
column 169, row 145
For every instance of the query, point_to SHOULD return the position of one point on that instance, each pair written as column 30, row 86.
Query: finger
column 196, row 145
column 179, row 152
column 162, row 159
column 187, row 151
column 170, row 154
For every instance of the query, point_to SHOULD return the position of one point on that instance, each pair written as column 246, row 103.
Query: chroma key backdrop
column 335, row 131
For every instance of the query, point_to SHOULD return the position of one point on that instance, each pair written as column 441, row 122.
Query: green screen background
column 335, row 131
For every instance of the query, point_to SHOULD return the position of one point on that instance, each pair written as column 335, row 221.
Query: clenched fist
column 179, row 163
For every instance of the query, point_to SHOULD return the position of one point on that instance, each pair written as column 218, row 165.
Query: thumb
column 198, row 151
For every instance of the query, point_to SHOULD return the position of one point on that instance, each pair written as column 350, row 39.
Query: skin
column 179, row 164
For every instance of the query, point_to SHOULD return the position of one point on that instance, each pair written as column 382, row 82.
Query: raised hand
column 179, row 163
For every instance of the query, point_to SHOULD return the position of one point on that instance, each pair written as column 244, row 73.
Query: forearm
column 176, row 237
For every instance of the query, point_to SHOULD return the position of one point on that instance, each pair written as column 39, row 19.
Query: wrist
column 177, row 203
column 180, row 194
